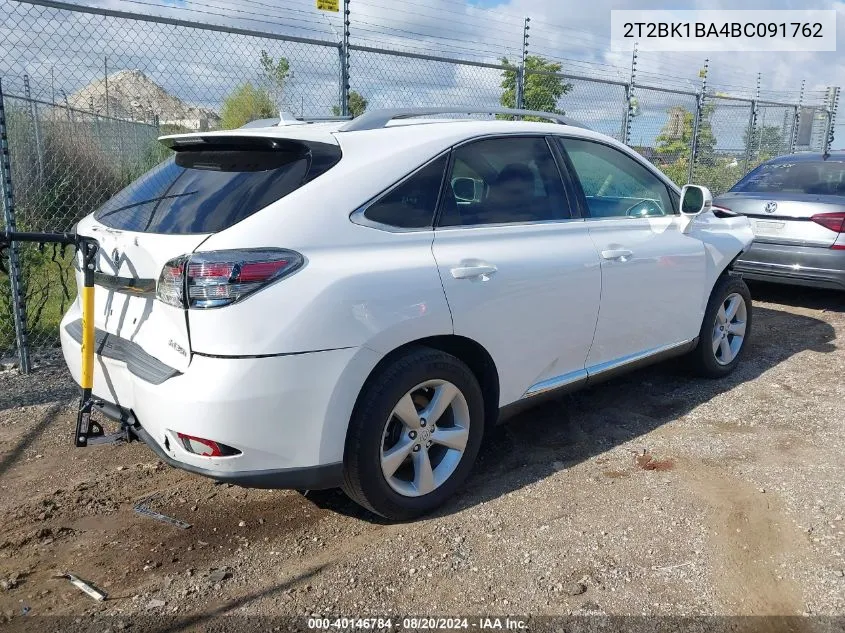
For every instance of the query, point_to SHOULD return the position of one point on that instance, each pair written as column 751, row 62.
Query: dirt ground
column 654, row 494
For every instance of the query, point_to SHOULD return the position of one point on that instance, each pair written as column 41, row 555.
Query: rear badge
column 177, row 347
column 771, row 207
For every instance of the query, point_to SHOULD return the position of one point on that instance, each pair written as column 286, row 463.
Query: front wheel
column 725, row 329
column 414, row 434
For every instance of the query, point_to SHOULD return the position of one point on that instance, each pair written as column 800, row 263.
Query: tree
column 244, row 104
column 675, row 139
column 543, row 86
column 765, row 142
column 276, row 73
column 357, row 105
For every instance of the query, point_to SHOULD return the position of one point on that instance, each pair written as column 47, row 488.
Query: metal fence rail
column 86, row 99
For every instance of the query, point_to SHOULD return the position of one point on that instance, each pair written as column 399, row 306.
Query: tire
column 378, row 439
column 711, row 358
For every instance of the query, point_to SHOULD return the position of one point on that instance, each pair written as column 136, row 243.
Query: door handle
column 475, row 271
column 618, row 254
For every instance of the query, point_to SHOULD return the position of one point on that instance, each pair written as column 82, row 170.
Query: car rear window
column 811, row 177
column 210, row 189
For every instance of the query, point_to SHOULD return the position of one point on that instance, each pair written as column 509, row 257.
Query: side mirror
column 464, row 188
column 695, row 199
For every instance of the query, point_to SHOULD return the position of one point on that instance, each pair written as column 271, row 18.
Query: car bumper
column 287, row 414
column 798, row 265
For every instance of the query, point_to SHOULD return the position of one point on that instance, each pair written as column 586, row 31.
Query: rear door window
column 209, row 190
column 504, row 181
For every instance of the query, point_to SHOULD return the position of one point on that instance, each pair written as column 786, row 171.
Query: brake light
column 218, row 278
column 833, row 221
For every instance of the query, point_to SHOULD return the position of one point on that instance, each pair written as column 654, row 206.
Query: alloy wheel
column 424, row 438
column 729, row 328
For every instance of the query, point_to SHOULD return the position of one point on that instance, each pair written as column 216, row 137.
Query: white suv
column 314, row 305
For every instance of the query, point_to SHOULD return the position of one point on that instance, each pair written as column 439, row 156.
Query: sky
column 576, row 35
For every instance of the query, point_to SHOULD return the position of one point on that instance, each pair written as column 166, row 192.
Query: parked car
column 796, row 204
column 313, row 305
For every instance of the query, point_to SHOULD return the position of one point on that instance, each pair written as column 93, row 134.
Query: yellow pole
column 87, row 380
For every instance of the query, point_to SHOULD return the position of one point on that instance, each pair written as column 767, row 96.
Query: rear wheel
column 725, row 329
column 414, row 434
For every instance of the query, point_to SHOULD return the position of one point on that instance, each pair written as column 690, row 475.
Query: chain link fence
column 87, row 98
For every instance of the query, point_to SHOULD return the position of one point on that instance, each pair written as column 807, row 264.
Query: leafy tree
column 764, row 143
column 276, row 73
column 673, row 143
column 357, row 104
column 244, row 104
column 543, row 87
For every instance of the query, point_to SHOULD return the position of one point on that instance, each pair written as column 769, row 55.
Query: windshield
column 807, row 177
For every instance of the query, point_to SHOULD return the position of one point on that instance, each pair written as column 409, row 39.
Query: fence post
column 344, row 62
column 752, row 127
column 36, row 128
column 796, row 122
column 519, row 100
column 696, row 125
column 18, row 299
column 833, row 104
column 629, row 98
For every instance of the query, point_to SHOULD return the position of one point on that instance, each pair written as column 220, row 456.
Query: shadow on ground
column 563, row 433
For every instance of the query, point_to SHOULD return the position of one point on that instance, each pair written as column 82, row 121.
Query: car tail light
column 218, row 278
column 835, row 222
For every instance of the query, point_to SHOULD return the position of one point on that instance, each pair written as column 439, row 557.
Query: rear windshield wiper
column 143, row 202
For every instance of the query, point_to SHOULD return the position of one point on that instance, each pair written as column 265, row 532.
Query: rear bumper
column 798, row 265
column 287, row 414
column 308, row 478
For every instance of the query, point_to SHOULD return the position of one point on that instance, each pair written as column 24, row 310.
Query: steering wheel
column 645, row 209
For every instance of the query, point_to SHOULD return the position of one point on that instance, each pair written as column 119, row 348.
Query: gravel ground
column 654, row 494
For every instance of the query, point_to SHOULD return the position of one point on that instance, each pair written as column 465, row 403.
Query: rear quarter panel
column 724, row 239
column 359, row 286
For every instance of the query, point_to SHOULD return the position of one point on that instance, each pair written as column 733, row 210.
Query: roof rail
column 287, row 118
column 375, row 119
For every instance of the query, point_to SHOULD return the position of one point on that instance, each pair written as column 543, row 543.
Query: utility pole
column 796, row 123
column 36, row 128
column 696, row 126
column 15, row 277
column 629, row 98
column 344, row 62
column 106, row 76
column 752, row 126
column 520, row 72
column 833, row 105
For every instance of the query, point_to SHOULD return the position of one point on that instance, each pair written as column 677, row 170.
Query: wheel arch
column 468, row 351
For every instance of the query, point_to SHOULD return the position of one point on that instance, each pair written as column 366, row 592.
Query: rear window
column 810, row 177
column 210, row 189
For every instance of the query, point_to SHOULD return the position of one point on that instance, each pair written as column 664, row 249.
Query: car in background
column 351, row 304
column 796, row 205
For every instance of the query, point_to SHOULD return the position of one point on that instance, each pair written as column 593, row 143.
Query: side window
column 615, row 184
column 411, row 204
column 501, row 181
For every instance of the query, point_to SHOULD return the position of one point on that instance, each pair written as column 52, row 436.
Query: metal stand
column 88, row 431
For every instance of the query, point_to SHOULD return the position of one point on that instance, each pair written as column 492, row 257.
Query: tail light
column 218, row 278
column 836, row 223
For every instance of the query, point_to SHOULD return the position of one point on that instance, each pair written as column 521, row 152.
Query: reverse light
column 218, row 278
